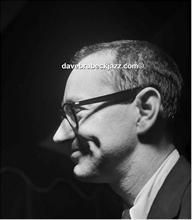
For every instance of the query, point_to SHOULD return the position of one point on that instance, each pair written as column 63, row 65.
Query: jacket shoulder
column 174, row 198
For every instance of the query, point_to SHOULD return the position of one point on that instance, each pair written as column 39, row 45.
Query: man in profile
column 118, row 121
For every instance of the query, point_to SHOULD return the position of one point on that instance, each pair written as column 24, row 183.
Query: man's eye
column 77, row 110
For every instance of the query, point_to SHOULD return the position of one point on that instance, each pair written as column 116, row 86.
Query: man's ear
column 148, row 103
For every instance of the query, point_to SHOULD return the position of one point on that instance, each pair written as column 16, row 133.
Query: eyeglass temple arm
column 118, row 95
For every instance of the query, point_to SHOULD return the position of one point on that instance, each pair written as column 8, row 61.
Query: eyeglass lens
column 70, row 115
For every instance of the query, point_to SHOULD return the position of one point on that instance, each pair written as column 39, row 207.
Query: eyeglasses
column 68, row 108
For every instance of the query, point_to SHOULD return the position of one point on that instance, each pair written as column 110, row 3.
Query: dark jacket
column 174, row 198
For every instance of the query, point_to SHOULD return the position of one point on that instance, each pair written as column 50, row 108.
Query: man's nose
column 64, row 132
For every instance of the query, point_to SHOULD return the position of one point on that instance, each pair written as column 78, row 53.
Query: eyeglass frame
column 121, row 96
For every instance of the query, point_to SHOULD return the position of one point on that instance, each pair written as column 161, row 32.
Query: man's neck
column 137, row 169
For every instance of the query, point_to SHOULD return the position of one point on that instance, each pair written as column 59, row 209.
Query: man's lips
column 74, row 149
column 75, row 156
column 83, row 148
column 78, row 151
column 81, row 144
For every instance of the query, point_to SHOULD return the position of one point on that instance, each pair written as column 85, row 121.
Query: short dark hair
column 159, row 69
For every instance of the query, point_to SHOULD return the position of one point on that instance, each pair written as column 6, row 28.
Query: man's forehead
column 87, row 83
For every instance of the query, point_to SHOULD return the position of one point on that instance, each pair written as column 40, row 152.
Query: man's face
column 107, row 132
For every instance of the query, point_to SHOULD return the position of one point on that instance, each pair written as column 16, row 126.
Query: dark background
column 37, row 38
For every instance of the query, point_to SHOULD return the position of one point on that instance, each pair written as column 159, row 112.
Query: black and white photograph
column 95, row 109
